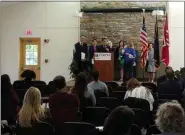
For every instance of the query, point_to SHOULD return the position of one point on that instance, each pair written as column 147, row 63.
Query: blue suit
column 128, row 63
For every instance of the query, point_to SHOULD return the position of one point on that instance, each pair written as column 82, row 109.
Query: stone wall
column 119, row 26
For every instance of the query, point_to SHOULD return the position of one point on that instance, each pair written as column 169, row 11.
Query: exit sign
column 28, row 32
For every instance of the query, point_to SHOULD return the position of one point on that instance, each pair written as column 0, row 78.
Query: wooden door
column 30, row 55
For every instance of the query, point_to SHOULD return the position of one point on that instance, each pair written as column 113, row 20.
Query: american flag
column 144, row 44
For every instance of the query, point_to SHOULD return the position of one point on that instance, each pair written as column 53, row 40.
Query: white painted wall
column 53, row 20
column 176, row 29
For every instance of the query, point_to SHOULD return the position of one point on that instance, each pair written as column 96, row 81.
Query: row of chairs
column 75, row 128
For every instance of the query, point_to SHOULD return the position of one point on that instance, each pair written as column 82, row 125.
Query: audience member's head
column 94, row 42
column 133, row 83
column 170, row 73
column 170, row 117
column 95, row 75
column 59, row 82
column 6, row 86
column 119, row 121
column 121, row 44
column 28, row 75
column 31, row 110
column 80, row 84
column 82, row 38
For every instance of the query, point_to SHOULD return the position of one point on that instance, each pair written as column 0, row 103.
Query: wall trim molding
column 119, row 10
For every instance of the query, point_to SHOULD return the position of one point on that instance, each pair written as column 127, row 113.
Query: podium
column 104, row 63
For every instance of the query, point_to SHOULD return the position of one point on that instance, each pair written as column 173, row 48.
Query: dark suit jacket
column 78, row 49
column 170, row 87
column 92, row 51
column 102, row 48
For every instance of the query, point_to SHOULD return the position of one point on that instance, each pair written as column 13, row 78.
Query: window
column 31, row 55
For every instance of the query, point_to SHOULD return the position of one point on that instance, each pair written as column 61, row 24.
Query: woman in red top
column 9, row 100
column 63, row 106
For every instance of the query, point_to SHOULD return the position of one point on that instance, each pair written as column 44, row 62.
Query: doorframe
column 21, row 39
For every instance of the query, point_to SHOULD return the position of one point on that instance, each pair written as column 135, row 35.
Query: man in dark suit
column 92, row 49
column 104, row 47
column 171, row 86
column 163, row 78
column 80, row 50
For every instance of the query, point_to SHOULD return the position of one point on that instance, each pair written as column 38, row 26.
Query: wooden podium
column 104, row 63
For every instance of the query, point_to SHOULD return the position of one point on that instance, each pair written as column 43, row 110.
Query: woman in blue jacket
column 129, row 59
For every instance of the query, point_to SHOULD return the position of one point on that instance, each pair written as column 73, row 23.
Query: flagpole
column 143, row 57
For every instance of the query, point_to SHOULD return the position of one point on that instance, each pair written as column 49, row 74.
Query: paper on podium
column 92, row 61
column 82, row 56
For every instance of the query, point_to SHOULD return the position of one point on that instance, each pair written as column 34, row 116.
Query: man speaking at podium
column 104, row 47
column 80, row 54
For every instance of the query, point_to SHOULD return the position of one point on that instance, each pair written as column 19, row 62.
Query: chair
column 21, row 93
column 135, row 130
column 153, row 130
column 151, row 86
column 110, row 89
column 37, row 82
column 42, row 88
column 109, row 102
column 139, row 118
column 121, row 88
column 170, row 97
column 21, row 84
column 98, row 94
column 36, row 129
column 85, row 102
column 139, row 103
column 77, row 128
column 112, row 84
column 95, row 115
column 143, row 107
column 118, row 94
column 51, row 83
column 124, row 84
column 158, row 102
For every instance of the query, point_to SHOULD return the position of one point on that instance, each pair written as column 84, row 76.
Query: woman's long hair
column 6, row 86
column 80, row 84
column 119, row 121
column 31, row 110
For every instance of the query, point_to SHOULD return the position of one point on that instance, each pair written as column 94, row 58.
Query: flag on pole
column 144, row 44
column 156, row 46
column 165, row 48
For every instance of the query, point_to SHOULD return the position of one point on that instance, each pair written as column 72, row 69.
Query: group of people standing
column 125, row 57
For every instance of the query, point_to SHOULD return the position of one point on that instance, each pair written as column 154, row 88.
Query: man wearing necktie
column 80, row 53
column 92, row 50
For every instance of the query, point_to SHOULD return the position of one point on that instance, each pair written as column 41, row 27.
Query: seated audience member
column 9, row 100
column 118, row 122
column 136, row 90
column 163, row 78
column 82, row 90
column 63, row 106
column 28, row 75
column 96, row 84
column 171, row 86
column 32, row 110
column 170, row 119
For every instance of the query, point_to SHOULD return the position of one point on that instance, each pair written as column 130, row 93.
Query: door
column 30, row 55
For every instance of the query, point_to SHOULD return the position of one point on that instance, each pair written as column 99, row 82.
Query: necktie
column 94, row 48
